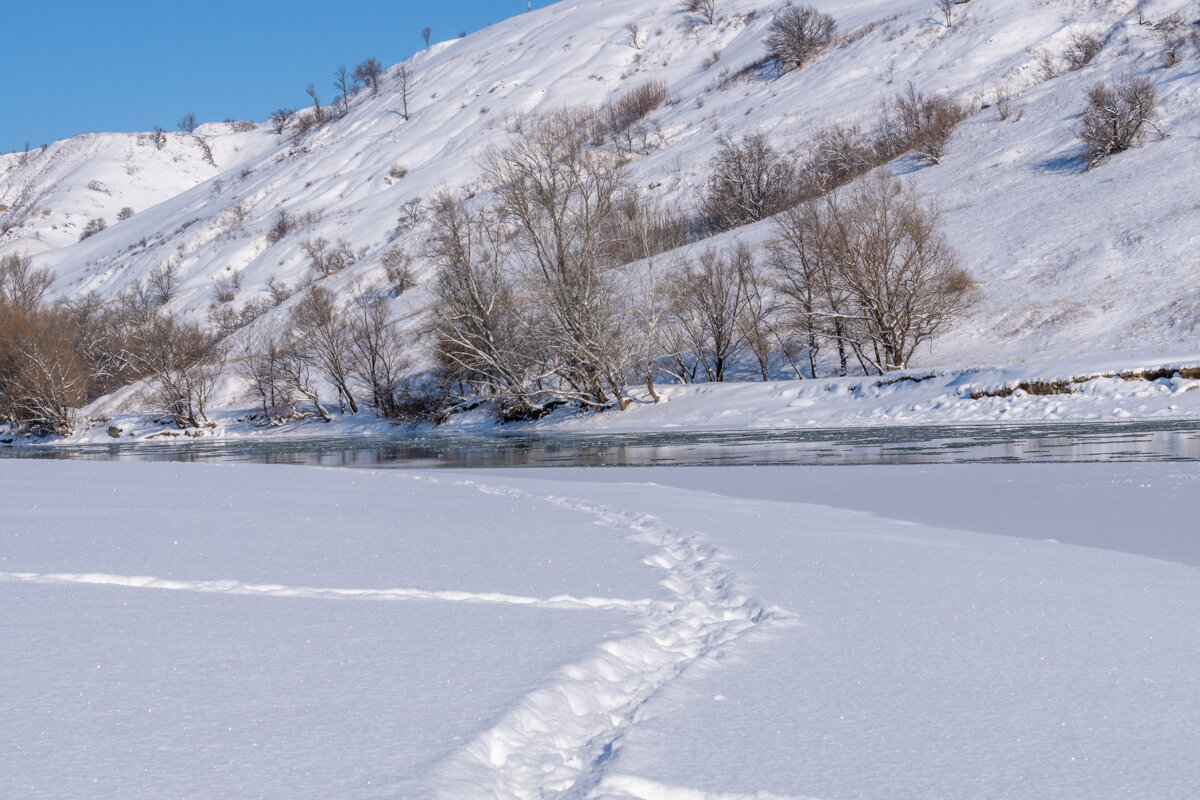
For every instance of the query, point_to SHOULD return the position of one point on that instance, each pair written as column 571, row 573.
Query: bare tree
column 635, row 35
column 318, row 113
column 797, row 35
column 480, row 338
column 750, row 181
column 710, row 299
column 346, row 85
column 368, row 72
column 263, row 366
column 182, row 362
column 426, row 32
column 22, row 285
column 322, row 338
column 42, row 377
column 561, row 196
column 885, row 278
column 164, row 281
column 159, row 137
column 280, row 117
column 946, row 7
column 187, row 123
column 406, row 79
column 705, row 9
column 1117, row 117
column 377, row 354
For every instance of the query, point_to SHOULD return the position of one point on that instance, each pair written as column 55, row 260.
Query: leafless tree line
column 537, row 303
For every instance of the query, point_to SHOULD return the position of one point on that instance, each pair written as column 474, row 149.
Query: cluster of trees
column 368, row 72
column 535, row 303
column 56, row 357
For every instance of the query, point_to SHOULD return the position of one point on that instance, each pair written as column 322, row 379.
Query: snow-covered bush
column 1082, row 48
column 797, row 35
column 1117, row 117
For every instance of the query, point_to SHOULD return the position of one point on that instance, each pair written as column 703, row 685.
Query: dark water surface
column 1076, row 442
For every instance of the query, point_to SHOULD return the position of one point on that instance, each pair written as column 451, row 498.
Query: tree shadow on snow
column 1071, row 162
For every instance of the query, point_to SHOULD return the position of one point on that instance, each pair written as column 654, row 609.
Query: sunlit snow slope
column 1071, row 262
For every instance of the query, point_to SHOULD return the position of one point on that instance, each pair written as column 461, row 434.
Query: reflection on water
column 1174, row 441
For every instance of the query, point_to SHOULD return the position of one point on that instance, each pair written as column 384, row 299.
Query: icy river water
column 1139, row 441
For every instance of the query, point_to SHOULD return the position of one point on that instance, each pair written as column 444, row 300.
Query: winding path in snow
column 558, row 740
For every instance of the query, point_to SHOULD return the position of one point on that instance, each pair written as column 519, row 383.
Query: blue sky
column 128, row 65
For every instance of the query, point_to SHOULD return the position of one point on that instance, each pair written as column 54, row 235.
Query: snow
column 1091, row 266
column 218, row 630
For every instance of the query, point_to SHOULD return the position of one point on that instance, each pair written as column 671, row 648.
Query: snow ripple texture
column 557, row 741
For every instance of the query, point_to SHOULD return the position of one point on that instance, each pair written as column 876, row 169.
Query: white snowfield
column 215, row 631
column 1093, row 265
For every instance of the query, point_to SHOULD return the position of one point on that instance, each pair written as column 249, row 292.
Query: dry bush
column 705, row 9
column 797, row 35
column 620, row 121
column 164, row 281
column 750, row 181
column 282, row 225
column 92, row 227
column 325, row 259
column 1082, row 48
column 836, row 155
column 641, row 230
column 920, row 123
column 1117, row 117
column 397, row 266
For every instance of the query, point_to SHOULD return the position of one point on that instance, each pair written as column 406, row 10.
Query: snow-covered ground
column 723, row 634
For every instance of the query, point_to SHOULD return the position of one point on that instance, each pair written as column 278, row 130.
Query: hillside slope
column 1071, row 262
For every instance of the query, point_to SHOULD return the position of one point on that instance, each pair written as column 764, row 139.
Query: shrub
column 1116, row 117
column 92, row 227
column 920, row 123
column 125, row 213
column 797, row 35
column 283, row 224
column 397, row 265
column 325, row 259
column 1082, row 49
column 705, row 9
column 750, row 181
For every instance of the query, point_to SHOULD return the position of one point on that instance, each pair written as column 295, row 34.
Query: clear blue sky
column 127, row 65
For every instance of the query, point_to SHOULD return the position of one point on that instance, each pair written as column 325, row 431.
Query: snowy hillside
column 1070, row 262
